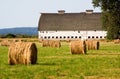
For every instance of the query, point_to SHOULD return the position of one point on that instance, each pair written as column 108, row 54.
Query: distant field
column 59, row 63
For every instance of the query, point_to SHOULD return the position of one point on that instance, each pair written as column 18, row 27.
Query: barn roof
column 69, row 21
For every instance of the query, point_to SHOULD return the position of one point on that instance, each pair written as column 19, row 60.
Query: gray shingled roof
column 69, row 21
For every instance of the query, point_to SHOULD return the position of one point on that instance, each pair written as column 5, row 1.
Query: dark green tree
column 9, row 35
column 110, row 16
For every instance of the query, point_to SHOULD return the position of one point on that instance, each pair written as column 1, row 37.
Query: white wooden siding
column 64, row 35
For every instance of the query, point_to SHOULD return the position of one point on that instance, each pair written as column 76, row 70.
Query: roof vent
column 89, row 11
column 61, row 11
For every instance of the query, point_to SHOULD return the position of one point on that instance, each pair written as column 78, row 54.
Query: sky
column 26, row 13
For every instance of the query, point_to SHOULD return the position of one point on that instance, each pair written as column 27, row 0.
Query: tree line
column 10, row 35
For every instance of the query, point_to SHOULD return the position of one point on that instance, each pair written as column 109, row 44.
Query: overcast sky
column 26, row 13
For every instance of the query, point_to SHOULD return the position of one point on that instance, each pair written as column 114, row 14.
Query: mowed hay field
column 59, row 63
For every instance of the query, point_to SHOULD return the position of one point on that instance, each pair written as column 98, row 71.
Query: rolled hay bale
column 1, row 39
column 15, row 40
column 117, row 41
column 51, row 43
column 96, row 45
column 45, row 43
column 55, row 43
column 19, row 40
column 92, row 44
column 24, row 40
column 5, row 43
column 78, row 47
column 22, row 53
column 68, row 41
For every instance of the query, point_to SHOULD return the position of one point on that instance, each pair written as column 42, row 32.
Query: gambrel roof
column 69, row 21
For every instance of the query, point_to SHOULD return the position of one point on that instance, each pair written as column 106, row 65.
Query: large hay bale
column 51, row 43
column 5, row 43
column 78, row 47
column 22, row 53
column 55, row 43
column 92, row 44
column 45, row 43
column 68, row 41
column 117, row 41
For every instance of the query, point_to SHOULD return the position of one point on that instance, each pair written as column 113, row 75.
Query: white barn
column 68, row 26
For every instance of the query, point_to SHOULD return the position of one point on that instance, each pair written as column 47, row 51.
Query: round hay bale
column 45, row 43
column 68, row 41
column 51, row 43
column 55, row 43
column 117, row 41
column 22, row 53
column 97, row 45
column 5, row 43
column 92, row 44
column 78, row 47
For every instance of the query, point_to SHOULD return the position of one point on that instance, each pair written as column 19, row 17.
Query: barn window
column 68, row 37
column 41, row 37
column 104, row 36
column 75, row 36
column 100, row 36
column 78, row 31
column 48, row 37
column 52, row 36
column 92, row 36
column 56, row 37
column 60, row 37
column 45, row 37
column 72, row 37
column 79, row 36
column 64, row 37
column 88, row 37
column 96, row 36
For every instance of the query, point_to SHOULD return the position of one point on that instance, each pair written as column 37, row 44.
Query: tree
column 110, row 16
column 9, row 35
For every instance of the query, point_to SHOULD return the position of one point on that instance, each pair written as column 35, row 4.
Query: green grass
column 59, row 63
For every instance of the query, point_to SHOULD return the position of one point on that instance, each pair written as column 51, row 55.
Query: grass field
column 59, row 63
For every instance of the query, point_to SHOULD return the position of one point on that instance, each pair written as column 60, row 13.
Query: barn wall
column 64, row 35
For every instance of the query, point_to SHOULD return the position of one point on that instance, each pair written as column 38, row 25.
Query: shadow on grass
column 104, row 54
column 48, row 63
